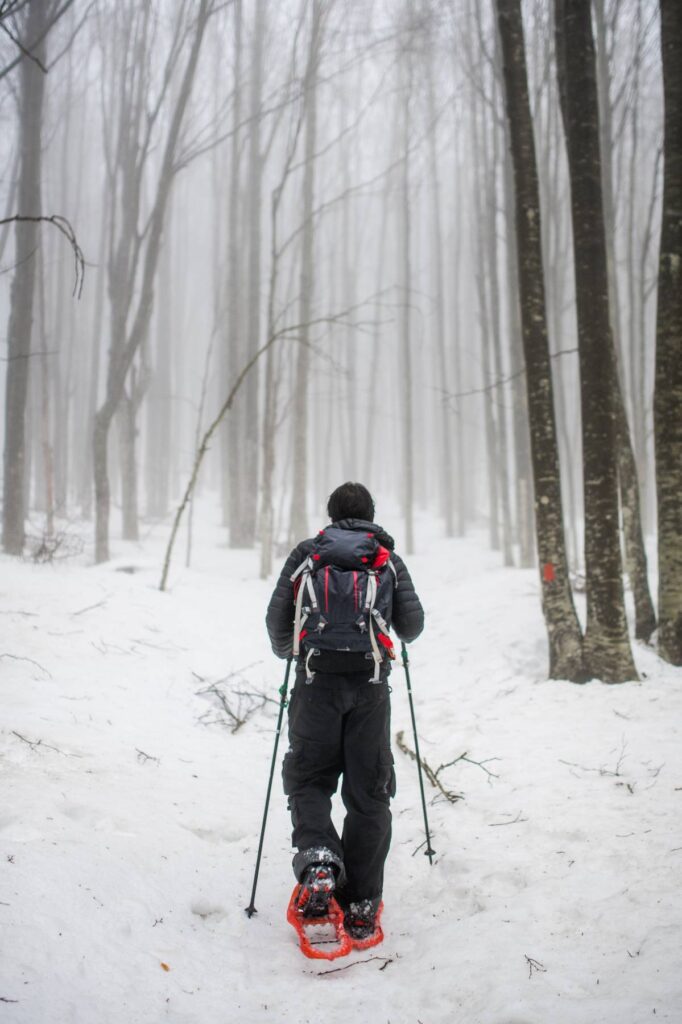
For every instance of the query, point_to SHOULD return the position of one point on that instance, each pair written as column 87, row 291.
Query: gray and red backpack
column 344, row 599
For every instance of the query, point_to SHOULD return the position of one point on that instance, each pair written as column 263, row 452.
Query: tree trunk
column 249, row 510
column 668, row 388
column 126, row 340
column 440, row 363
column 127, row 447
column 405, row 316
column 298, row 520
column 628, row 476
column 236, row 428
column 563, row 629
column 31, row 93
column 606, row 644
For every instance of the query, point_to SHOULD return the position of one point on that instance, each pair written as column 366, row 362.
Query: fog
column 327, row 183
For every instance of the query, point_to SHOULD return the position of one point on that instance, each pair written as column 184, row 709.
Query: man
column 339, row 711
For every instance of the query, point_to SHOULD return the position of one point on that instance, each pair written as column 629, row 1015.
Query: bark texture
column 668, row 388
column 31, row 93
column 606, row 643
column 563, row 629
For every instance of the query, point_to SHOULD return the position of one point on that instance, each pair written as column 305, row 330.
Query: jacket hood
column 363, row 524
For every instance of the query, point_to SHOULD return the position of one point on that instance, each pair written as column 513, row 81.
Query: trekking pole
column 251, row 909
column 428, row 851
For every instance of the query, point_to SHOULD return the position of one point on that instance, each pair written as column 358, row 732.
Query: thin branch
column 62, row 224
column 225, row 408
column 431, row 775
column 26, row 52
column 18, row 657
column 34, row 744
column 385, row 960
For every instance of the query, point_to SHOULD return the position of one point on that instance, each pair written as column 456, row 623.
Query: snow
column 129, row 827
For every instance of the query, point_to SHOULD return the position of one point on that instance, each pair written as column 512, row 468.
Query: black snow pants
column 340, row 725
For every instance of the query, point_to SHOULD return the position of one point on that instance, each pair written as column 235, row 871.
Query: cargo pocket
column 291, row 771
column 385, row 785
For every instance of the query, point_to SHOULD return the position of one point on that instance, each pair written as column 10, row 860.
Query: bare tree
column 563, row 628
column 135, row 252
column 34, row 25
column 298, row 525
column 606, row 644
column 668, row 391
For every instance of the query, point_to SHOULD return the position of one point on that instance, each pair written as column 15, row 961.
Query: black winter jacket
column 408, row 614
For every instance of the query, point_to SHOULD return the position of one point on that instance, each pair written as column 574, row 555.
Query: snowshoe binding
column 362, row 923
column 316, row 916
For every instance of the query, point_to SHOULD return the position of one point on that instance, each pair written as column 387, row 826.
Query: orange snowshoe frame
column 334, row 917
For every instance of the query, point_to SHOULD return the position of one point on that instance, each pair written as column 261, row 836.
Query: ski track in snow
column 129, row 823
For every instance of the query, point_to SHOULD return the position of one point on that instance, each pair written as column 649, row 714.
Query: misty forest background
column 432, row 245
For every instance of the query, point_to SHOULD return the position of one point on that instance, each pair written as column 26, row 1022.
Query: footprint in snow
column 206, row 910
column 215, row 835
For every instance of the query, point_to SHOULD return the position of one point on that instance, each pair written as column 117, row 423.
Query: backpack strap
column 300, row 613
column 369, row 608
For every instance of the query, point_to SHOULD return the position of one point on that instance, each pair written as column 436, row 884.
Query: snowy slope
column 129, row 823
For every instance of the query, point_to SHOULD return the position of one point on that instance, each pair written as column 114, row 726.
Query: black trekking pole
column 428, row 851
column 251, row 909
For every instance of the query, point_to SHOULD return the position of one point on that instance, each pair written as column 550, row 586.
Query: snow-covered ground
column 130, row 816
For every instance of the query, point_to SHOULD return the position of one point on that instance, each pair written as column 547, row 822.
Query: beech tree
column 134, row 252
column 606, row 644
column 668, row 389
column 35, row 19
column 563, row 628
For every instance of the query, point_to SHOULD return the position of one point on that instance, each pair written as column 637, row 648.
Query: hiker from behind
column 336, row 599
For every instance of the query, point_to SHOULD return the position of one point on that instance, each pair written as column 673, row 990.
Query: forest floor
column 130, row 811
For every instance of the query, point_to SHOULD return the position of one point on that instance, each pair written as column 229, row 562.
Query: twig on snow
column 90, row 607
column 35, row 743
column 431, row 775
column 602, row 770
column 19, row 657
column 469, row 760
column 534, row 965
column 515, row 821
column 386, row 960
column 143, row 758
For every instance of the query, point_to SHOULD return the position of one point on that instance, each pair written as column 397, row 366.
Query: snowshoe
column 316, row 916
column 362, row 923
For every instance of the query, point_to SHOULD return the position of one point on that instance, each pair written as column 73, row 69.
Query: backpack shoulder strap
column 304, row 570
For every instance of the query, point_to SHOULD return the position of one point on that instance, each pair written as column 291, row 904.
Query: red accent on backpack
column 383, row 555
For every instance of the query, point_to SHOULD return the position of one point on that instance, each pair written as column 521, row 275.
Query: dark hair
column 350, row 501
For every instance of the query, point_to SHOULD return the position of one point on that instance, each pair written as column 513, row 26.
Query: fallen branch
column 534, row 965
column 469, row 760
column 431, row 775
column 19, row 657
column 514, row 821
column 90, row 607
column 143, row 758
column 34, row 744
column 238, row 706
column 386, row 960
column 602, row 770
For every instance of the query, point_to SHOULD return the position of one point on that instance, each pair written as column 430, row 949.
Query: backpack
column 344, row 600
